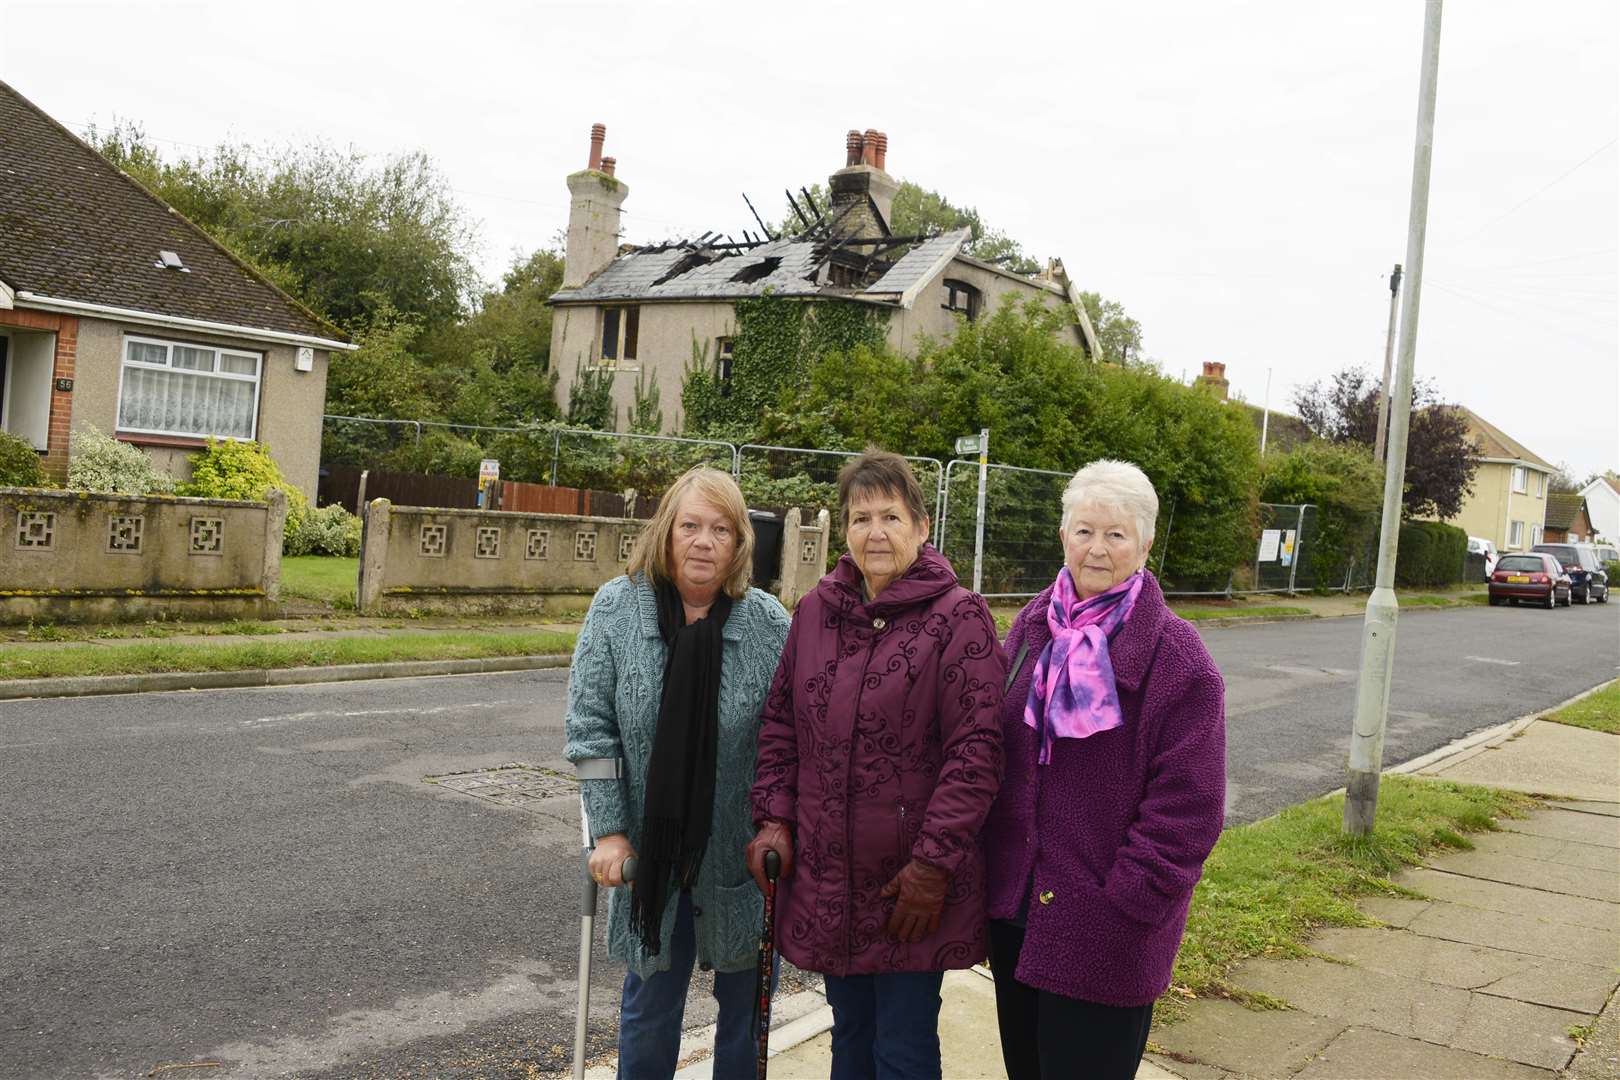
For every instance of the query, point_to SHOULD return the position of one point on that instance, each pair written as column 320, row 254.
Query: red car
column 1534, row 576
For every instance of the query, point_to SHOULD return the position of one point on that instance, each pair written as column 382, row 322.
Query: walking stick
column 589, row 769
column 767, row 966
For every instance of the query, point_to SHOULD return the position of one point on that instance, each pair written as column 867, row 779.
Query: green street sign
column 967, row 444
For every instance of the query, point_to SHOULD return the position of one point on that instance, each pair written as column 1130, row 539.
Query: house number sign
column 64, row 385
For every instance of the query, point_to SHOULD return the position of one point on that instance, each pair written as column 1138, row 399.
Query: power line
column 1561, row 178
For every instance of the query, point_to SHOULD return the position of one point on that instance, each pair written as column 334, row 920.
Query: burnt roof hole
column 755, row 271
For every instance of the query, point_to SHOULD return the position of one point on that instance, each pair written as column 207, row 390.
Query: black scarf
column 679, row 806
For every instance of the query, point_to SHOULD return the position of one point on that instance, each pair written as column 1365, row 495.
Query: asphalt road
column 263, row 878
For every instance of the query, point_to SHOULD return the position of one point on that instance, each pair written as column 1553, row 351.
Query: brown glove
column 772, row 836
column 920, row 887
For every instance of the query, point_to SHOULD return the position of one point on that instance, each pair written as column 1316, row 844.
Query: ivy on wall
column 777, row 342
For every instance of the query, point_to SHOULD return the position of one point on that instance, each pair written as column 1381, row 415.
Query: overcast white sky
column 1237, row 174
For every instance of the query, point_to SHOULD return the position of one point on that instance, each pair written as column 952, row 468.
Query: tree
column 1563, row 481
column 1119, row 337
column 1440, row 452
column 339, row 231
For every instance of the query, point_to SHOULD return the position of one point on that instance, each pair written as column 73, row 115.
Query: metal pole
column 1389, row 360
column 1378, row 629
column 1265, row 419
column 978, row 540
column 556, row 452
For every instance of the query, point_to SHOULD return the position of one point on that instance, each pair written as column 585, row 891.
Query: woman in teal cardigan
column 669, row 675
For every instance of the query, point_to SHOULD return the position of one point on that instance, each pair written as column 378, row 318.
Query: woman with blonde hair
column 670, row 671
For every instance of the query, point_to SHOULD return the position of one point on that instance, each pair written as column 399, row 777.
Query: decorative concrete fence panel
column 70, row 556
column 804, row 554
column 469, row 560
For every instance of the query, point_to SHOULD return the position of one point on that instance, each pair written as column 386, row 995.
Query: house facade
column 646, row 313
column 118, row 313
column 1602, row 497
column 1508, row 503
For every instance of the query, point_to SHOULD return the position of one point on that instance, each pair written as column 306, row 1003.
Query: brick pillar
column 61, row 424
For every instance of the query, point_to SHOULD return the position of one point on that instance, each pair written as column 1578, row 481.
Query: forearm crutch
column 589, row 769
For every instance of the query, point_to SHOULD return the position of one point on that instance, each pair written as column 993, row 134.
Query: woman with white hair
column 1114, row 733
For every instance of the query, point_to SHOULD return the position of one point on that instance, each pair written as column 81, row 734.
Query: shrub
column 1345, row 485
column 329, row 530
column 102, row 464
column 1430, row 553
column 240, row 470
column 19, row 463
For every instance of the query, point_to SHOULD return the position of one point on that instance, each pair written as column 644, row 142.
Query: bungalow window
column 961, row 297
column 196, row 391
column 621, row 326
column 722, row 365
column 1520, row 480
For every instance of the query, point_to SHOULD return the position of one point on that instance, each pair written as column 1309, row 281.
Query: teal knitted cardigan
column 613, row 696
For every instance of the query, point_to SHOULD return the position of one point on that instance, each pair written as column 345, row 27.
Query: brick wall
column 66, row 328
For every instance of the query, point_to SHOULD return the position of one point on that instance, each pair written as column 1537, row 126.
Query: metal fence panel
column 629, row 461
column 783, row 476
column 1023, row 510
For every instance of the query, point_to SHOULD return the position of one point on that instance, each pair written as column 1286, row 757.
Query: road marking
column 345, row 714
column 1492, row 660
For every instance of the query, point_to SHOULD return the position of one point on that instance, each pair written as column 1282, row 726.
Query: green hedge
column 1430, row 553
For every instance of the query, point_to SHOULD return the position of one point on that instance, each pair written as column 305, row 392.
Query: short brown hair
column 879, row 471
column 650, row 556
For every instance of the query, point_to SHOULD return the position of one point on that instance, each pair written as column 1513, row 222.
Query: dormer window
column 962, row 298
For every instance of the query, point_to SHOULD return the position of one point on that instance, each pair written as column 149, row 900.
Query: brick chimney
column 863, row 175
column 1213, row 379
column 596, row 196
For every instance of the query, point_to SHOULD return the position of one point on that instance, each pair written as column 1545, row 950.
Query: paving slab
column 1361, row 1052
column 1517, row 933
column 1568, row 825
column 1245, row 1041
column 1397, row 911
column 1545, row 758
column 1567, row 852
column 1590, row 806
column 1511, row 899
column 1560, row 984
column 1494, row 1027
column 1493, row 865
column 1599, row 1057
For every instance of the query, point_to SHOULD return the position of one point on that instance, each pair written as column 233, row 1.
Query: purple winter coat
column 879, row 742
column 1111, row 836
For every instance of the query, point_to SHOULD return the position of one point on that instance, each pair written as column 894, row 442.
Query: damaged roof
column 789, row 266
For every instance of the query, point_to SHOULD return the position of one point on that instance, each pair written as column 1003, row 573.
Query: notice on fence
column 1288, row 547
column 1269, row 541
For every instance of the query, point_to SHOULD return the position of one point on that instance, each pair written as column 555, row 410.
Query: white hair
column 1118, row 485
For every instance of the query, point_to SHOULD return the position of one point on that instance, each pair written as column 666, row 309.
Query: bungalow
column 1602, row 497
column 117, row 312
column 637, row 312
column 1567, row 520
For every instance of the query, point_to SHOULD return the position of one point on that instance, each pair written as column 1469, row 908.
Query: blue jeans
column 651, row 1011
column 885, row 1027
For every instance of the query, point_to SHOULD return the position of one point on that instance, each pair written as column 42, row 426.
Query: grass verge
column 144, row 658
column 1198, row 612
column 1596, row 712
column 1266, row 886
column 324, row 578
column 1465, row 600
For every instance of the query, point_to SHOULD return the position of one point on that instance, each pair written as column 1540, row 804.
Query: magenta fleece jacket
column 880, row 743
column 1105, row 843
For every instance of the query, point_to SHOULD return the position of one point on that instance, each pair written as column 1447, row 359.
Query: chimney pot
column 869, row 143
column 598, row 133
column 609, row 164
column 882, row 151
column 852, row 148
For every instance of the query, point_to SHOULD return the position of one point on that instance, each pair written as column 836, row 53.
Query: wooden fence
column 340, row 484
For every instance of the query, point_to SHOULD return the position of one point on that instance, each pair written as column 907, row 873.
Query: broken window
column 755, row 271
column 961, row 297
column 722, row 365
column 621, row 326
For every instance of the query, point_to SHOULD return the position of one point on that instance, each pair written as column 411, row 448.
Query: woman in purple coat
column 1114, row 726
column 879, row 756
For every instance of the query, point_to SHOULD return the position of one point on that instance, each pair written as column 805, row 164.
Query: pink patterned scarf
column 1073, row 694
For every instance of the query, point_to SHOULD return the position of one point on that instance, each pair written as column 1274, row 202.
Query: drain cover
column 514, row 784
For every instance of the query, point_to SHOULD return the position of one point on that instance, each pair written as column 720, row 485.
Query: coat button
column 697, row 912
column 1046, row 897
column 878, row 624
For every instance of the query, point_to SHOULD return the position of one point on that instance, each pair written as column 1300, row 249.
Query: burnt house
column 644, row 312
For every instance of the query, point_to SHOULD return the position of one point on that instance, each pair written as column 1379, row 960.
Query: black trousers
column 1046, row 1036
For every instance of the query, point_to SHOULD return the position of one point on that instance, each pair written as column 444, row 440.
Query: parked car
column 1607, row 553
column 1531, row 575
column 1588, row 581
column 1478, row 545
